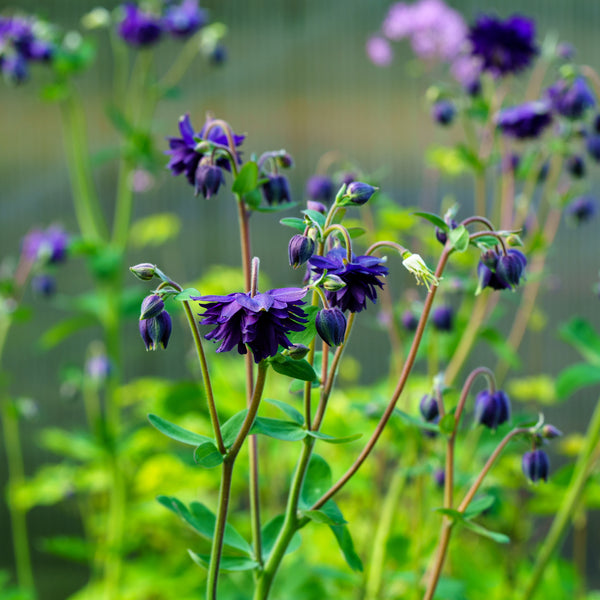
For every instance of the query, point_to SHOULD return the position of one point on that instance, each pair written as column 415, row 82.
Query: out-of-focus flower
column 565, row 51
column 139, row 28
column 331, row 325
column 503, row 46
column 571, row 98
column 428, row 406
column 319, row 188
column 318, row 206
column 592, row 145
column 536, row 465
column 443, row 112
column 379, row 50
column 575, row 165
column 439, row 476
column 492, row 409
column 525, row 121
column 261, row 322
column 98, row 367
column 184, row 19
column 409, row 320
column 549, row 432
column 443, row 318
column 582, row 209
column 141, row 181
column 48, row 247
column 362, row 276
column 43, row 284
column 276, row 190
column 300, row 249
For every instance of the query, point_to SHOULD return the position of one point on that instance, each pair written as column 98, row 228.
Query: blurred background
column 296, row 77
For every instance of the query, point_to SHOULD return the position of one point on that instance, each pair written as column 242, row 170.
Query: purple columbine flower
column 156, row 331
column 319, row 188
column 409, row 320
column 358, row 193
column 331, row 325
column 261, row 322
column 571, row 98
column 300, row 249
column 492, row 409
column 362, row 276
column 379, row 51
column 139, row 28
column 184, row 19
column 276, row 190
column 503, row 46
column 582, row 209
column 525, row 121
column 443, row 318
column 500, row 272
column 185, row 158
column 428, row 406
column 209, row 178
column 49, row 246
column 536, row 465
column 443, row 112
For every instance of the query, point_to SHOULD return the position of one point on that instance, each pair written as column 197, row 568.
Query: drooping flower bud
column 331, row 325
column 492, row 410
column 143, row 271
column 581, row 209
column 209, row 178
column 300, row 249
column 510, row 267
column 43, row 285
column 409, row 320
column 549, row 432
column 152, row 306
column 536, row 465
column 443, row 318
column 156, row 331
column 319, row 188
column 575, row 166
column 276, row 190
column 443, row 112
column 358, row 193
column 429, row 408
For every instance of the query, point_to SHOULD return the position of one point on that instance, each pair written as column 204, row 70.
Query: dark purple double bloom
column 362, row 276
column 571, row 98
column 503, row 46
column 500, row 271
column 525, row 121
column 198, row 167
column 260, row 322
column 18, row 46
column 141, row 29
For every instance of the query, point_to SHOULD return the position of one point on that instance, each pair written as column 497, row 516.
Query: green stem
column 181, row 64
column 572, row 498
column 87, row 207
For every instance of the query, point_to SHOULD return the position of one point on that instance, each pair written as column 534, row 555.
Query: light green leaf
column 207, row 455
column 334, row 440
column 228, row 563
column 416, row 422
column 247, row 179
column 297, row 369
column 232, row 427
column 307, row 335
column 344, row 540
column 500, row 538
column 321, row 516
column 459, row 238
column 581, row 335
column 188, row 294
column 278, row 429
column 294, row 222
column 447, row 423
column 315, row 217
column 432, row 218
column 290, row 411
column 179, row 434
column 270, row 532
column 575, row 378
column 154, row 230
column 63, row 329
column 479, row 505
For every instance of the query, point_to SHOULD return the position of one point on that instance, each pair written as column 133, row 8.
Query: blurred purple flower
column 536, row 465
column 503, row 46
column 262, row 321
column 379, row 51
column 499, row 271
column 319, row 188
column 524, row 121
column 362, row 276
column 139, row 28
column 184, row 19
column 571, row 98
column 581, row 209
column 49, row 246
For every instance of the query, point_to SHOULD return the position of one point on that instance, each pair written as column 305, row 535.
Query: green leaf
column 500, row 346
column 232, row 427
column 187, row 295
column 416, row 422
column 448, row 161
column 72, row 548
column 202, row 521
column 280, row 430
column 447, row 423
column 307, row 335
column 269, row 535
column 297, row 369
column 575, row 378
column 452, row 513
column 459, row 238
column 316, row 481
column 581, row 335
column 326, row 517
column 294, row 222
column 500, row 538
column 479, row 505
column 315, row 217
column 179, row 434
column 247, row 179
column 334, row 440
column 344, row 539
column 154, row 230
column 207, row 455
column 470, row 158
column 65, row 328
column 253, row 199
column 290, row 411
column 228, row 563
column 355, row 232
column 276, row 207
column 485, row 242
column 435, row 219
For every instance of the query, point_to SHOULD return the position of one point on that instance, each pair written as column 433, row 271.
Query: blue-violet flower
column 139, row 28
column 536, row 465
column 492, row 409
column 524, row 121
column 331, row 325
column 571, row 98
column 184, row 19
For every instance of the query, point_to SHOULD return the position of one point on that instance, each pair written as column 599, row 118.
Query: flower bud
column 331, row 325
column 592, row 145
column 443, row 318
column 333, row 283
column 276, row 190
column 43, row 285
column 300, row 249
column 156, row 330
column 209, row 178
column 550, row 432
column 320, row 188
column 297, row 351
column 317, row 206
column 439, row 476
column 429, row 408
column 358, row 193
column 285, row 160
column 152, row 306
column 443, row 112
column 581, row 209
column 409, row 320
column 575, row 166
column 536, row 465
column 143, row 271
column 492, row 410
column 510, row 267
